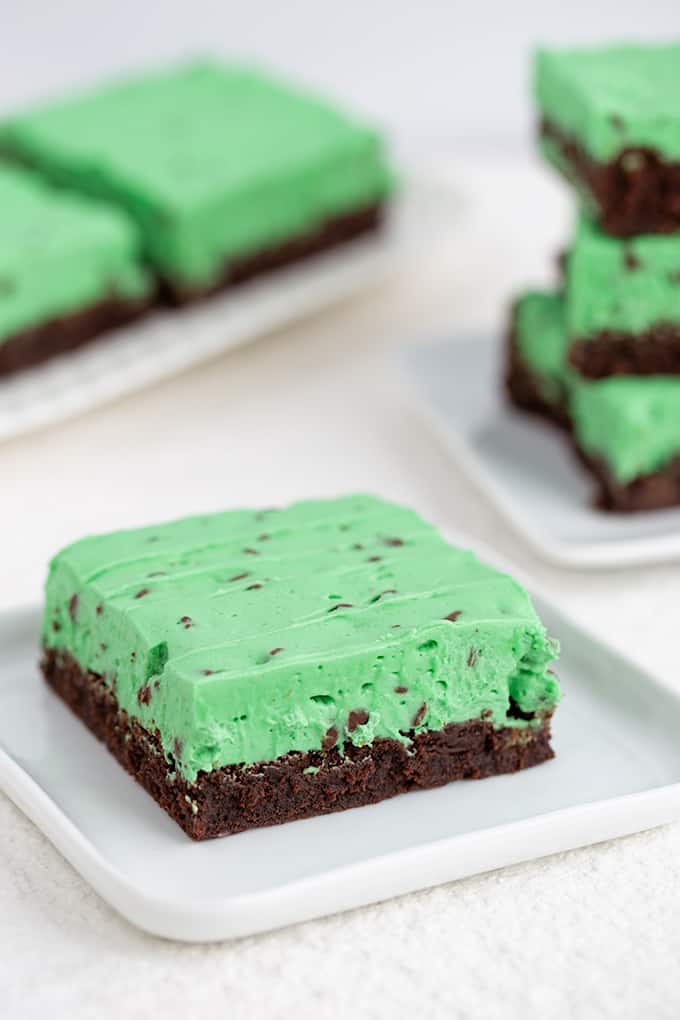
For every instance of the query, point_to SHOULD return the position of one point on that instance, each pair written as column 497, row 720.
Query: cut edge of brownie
column 59, row 334
column 331, row 233
column 297, row 785
column 657, row 491
column 654, row 351
column 636, row 192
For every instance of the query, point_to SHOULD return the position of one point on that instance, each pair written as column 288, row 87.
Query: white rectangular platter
column 617, row 771
column 524, row 465
column 166, row 343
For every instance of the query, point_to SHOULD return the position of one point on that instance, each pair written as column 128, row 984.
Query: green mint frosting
column 632, row 422
column 244, row 635
column 614, row 97
column 211, row 161
column 60, row 253
column 626, row 286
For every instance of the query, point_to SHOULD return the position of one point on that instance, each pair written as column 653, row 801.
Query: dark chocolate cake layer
column 297, row 785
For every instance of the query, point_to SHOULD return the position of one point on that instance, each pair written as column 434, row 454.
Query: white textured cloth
column 592, row 933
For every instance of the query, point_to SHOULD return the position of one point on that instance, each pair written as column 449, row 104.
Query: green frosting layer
column 244, row 635
column 610, row 98
column 211, row 161
column 621, row 285
column 632, row 422
column 60, row 253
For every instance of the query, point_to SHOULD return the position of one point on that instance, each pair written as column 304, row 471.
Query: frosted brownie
column 69, row 269
column 253, row 667
column 626, row 429
column 610, row 121
column 227, row 171
column 622, row 303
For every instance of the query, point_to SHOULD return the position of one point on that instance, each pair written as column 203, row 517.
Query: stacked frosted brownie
column 254, row 667
column 213, row 174
column 601, row 354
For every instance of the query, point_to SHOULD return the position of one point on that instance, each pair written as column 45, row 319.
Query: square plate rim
column 616, row 554
column 365, row 881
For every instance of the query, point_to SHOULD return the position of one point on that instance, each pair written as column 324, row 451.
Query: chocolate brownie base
column 655, row 351
column 637, row 192
column 333, row 232
column 647, row 492
column 297, row 785
column 66, row 332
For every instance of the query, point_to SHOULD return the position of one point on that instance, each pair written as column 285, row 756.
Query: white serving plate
column 165, row 343
column 617, row 771
column 524, row 465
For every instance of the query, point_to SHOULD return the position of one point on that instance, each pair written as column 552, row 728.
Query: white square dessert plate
column 168, row 342
column 616, row 771
column 524, row 464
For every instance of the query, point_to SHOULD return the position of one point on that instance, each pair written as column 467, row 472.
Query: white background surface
column 592, row 933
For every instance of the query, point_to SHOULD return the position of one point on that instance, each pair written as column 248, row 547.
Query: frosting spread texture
column 244, row 635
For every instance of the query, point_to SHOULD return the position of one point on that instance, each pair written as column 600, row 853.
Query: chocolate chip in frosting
column 357, row 717
column 388, row 591
column 341, row 605
column 187, row 621
column 472, row 656
column 275, row 651
column 330, row 739
column 401, row 690
column 393, row 541
column 452, row 617
column 253, row 587
column 420, row 715
column 144, row 695
column 73, row 606
column 250, row 552
column 239, row 577
column 142, row 592
column 630, row 260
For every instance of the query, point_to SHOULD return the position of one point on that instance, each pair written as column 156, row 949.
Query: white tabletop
column 316, row 411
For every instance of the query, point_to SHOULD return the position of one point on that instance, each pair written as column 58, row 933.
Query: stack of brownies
column 600, row 354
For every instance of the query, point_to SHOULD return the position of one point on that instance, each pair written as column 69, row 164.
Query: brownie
column 624, row 429
column 227, row 171
column 622, row 303
column 253, row 667
column 610, row 121
column 70, row 269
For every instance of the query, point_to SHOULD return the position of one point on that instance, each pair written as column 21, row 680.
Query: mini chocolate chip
column 263, row 537
column 207, row 672
column 177, row 747
column 275, row 651
column 393, row 541
column 157, row 573
column 187, row 621
column 253, row 587
column 330, row 739
column 144, row 695
column 472, row 657
column 395, row 626
column 56, row 626
column 357, row 717
column 250, row 552
column 388, row 591
column 420, row 715
column 73, row 606
column 401, row 690
column 100, row 610
column 631, row 261
column 103, row 646
column 133, row 656
column 156, row 684
column 616, row 121
column 374, row 559
column 142, row 592
column 239, row 577
column 341, row 605
column 454, row 615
